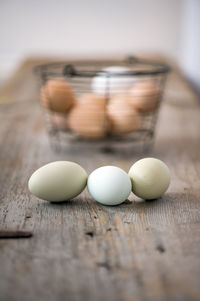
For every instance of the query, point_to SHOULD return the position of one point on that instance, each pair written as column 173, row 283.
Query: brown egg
column 60, row 121
column 122, row 117
column 88, row 121
column 92, row 100
column 144, row 96
column 57, row 95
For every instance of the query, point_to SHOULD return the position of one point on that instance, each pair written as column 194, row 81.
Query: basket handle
column 69, row 70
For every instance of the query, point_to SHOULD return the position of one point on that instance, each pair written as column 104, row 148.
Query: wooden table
column 81, row 250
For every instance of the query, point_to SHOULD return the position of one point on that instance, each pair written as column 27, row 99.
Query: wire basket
column 102, row 103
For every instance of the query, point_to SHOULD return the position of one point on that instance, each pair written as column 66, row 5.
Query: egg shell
column 150, row 178
column 109, row 185
column 58, row 181
column 88, row 121
column 91, row 99
column 122, row 117
column 60, row 121
column 57, row 95
column 110, row 82
column 144, row 96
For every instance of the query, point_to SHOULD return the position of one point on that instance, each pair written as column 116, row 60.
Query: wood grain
column 82, row 250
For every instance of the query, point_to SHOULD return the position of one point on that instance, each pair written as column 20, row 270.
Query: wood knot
column 160, row 248
column 104, row 265
column 89, row 233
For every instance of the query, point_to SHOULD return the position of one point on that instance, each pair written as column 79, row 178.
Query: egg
column 91, row 99
column 109, row 185
column 144, row 96
column 110, row 82
column 122, row 117
column 57, row 95
column 88, row 120
column 58, row 181
column 150, row 178
column 60, row 121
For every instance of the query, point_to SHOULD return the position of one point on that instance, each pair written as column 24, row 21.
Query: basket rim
column 69, row 69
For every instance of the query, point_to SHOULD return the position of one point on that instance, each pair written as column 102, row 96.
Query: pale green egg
column 150, row 178
column 58, row 181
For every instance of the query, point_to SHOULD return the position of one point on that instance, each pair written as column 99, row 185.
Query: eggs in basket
column 114, row 104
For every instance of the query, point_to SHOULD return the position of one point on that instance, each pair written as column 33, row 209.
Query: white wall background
column 96, row 28
column 190, row 42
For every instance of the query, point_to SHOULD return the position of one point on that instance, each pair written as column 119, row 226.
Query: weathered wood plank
column 85, row 251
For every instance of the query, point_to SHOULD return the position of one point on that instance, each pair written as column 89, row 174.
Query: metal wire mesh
column 131, row 94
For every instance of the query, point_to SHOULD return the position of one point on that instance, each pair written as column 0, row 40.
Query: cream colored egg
column 144, row 96
column 122, row 117
column 88, row 121
column 58, row 181
column 150, row 178
column 57, row 95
